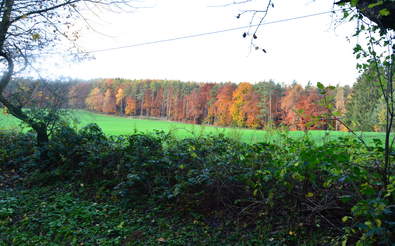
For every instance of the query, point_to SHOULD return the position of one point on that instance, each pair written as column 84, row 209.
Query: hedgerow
column 295, row 191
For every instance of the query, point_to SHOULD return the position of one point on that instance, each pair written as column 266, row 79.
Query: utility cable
column 205, row 34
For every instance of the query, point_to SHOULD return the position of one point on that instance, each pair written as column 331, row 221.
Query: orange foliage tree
column 252, row 109
column 219, row 111
column 131, row 104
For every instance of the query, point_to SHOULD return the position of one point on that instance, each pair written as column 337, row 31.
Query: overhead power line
column 205, row 33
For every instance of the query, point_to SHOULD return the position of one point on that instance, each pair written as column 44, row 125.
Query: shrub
column 17, row 149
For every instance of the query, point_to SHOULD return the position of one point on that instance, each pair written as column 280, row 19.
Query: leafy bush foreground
column 148, row 189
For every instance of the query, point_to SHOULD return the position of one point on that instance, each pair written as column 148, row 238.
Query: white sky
column 304, row 50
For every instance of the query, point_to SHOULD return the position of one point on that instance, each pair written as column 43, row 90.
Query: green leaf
column 346, row 218
column 384, row 12
column 320, row 86
column 331, row 87
column 345, row 198
column 309, row 194
column 372, row 5
column 357, row 48
column 337, row 113
column 354, row 3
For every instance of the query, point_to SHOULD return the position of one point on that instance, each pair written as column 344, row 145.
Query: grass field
column 114, row 125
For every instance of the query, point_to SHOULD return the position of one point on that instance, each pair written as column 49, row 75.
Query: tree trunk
column 40, row 128
column 42, row 140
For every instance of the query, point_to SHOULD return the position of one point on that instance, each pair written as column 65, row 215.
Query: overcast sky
column 308, row 49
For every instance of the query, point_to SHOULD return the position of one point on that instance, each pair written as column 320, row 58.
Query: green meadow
column 116, row 125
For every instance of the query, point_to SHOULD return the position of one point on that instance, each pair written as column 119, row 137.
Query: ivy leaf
column 357, row 48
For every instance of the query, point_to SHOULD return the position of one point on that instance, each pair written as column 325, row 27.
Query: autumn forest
column 259, row 105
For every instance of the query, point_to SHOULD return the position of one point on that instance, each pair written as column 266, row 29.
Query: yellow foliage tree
column 131, row 104
column 119, row 99
column 239, row 116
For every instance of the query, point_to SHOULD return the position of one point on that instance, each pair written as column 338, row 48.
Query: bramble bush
column 299, row 188
column 16, row 149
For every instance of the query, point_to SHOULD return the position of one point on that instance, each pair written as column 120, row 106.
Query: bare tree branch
column 230, row 4
column 27, row 28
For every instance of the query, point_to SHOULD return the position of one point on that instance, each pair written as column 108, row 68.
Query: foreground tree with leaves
column 376, row 59
column 28, row 28
column 375, row 51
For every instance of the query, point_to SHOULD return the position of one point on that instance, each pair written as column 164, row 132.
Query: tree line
column 259, row 105
column 223, row 104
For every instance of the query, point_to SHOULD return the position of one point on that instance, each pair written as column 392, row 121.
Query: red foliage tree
column 302, row 109
column 198, row 103
column 288, row 103
column 312, row 114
